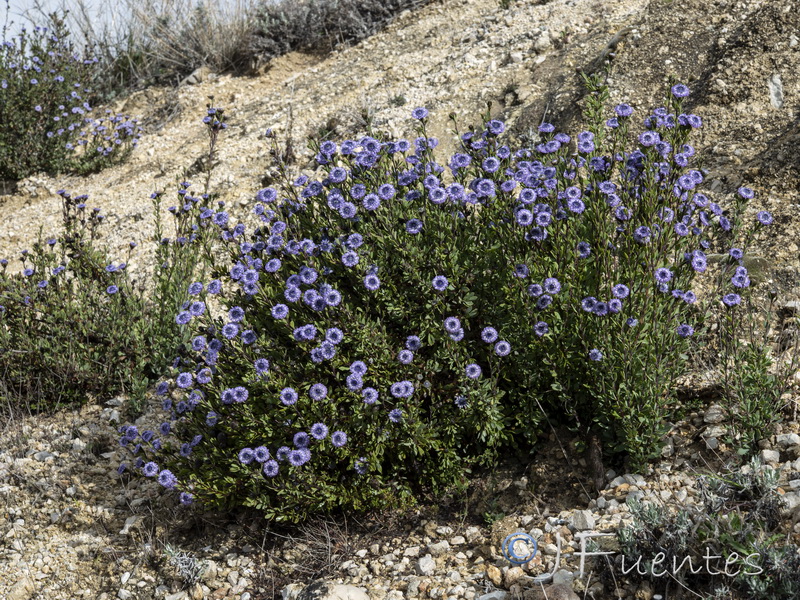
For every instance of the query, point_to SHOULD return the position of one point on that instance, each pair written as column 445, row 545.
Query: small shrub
column 74, row 322
column 737, row 520
column 189, row 568
column 393, row 324
column 754, row 379
column 398, row 100
column 45, row 108
column 320, row 25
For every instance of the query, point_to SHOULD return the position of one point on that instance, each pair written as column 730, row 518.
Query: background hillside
column 739, row 58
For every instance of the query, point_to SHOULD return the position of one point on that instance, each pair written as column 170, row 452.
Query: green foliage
column 597, row 344
column 74, row 323
column 753, row 383
column 737, row 520
column 46, row 112
column 78, row 325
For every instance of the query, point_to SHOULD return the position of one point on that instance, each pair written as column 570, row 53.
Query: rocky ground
column 72, row 527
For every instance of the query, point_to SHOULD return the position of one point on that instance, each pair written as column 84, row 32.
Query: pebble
column 583, row 520
column 787, row 440
column 714, row 414
column 494, row 574
column 439, row 548
column 425, row 565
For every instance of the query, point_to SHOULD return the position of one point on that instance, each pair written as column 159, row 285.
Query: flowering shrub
column 118, row 336
column 396, row 321
column 73, row 322
column 46, row 112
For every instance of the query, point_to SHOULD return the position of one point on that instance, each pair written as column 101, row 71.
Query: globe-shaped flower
column 288, row 396
column 372, row 283
column 318, row 391
column 524, row 217
column 452, row 325
column 370, row 395
column 371, row 202
column 354, row 382
column 414, row 226
column 663, row 275
column 473, row 371
column 350, row 259
column 588, row 303
column 230, row 330
column 679, row 90
column 270, row 468
column 358, row 367
column 502, row 348
column 623, row 110
column 246, row 456
column 167, row 479
column 535, row 290
column 489, row 335
column 521, row 271
column 731, row 299
column 419, row 113
column 319, row 431
column 551, row 285
column 764, row 217
column 620, row 290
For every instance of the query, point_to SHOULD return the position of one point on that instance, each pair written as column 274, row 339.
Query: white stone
column 457, row 540
column 291, row 591
column 496, row 595
column 322, row 590
column 425, row 565
column 714, row 414
column 792, row 500
column 787, row 440
column 583, row 520
column 563, row 576
column 770, row 456
column 439, row 548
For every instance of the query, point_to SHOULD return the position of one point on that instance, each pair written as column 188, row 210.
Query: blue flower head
column 419, row 113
